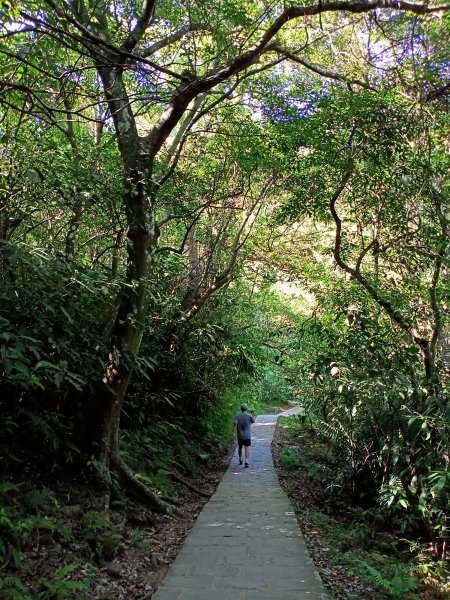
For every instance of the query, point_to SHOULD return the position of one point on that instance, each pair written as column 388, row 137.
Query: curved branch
column 186, row 92
column 42, row 109
column 180, row 250
column 192, row 121
column 88, row 39
column 438, row 93
column 23, row 60
column 363, row 254
column 190, row 486
column 396, row 316
column 319, row 70
column 170, row 39
column 225, row 277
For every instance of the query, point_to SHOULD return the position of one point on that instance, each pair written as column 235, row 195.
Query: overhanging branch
column 319, row 70
column 355, row 273
column 196, row 85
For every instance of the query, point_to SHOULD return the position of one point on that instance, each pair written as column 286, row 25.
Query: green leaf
column 35, row 175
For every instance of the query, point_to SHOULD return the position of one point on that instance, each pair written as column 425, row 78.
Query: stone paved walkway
column 245, row 544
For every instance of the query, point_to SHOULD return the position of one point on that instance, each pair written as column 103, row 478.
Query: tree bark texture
column 141, row 241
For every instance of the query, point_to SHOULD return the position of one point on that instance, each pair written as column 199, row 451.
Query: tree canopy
column 207, row 198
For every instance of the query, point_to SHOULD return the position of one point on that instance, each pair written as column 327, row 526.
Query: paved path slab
column 245, row 544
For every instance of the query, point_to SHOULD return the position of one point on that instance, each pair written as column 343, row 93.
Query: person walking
column 242, row 430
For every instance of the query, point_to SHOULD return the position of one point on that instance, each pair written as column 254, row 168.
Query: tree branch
column 180, row 250
column 356, row 274
column 90, row 41
column 140, row 27
column 197, row 85
column 319, row 70
column 170, row 39
column 195, row 118
column 224, row 277
column 363, row 254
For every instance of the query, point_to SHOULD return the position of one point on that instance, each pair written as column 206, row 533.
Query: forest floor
column 61, row 547
column 306, row 492
column 137, row 573
column 141, row 572
column 74, row 554
column 358, row 554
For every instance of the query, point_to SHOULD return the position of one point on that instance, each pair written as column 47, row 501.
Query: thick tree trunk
column 127, row 330
column 128, row 327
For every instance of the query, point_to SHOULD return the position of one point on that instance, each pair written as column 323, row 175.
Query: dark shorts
column 244, row 442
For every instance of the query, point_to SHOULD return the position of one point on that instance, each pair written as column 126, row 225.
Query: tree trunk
column 116, row 253
column 127, row 330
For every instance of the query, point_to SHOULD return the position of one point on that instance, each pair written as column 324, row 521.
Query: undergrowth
column 51, row 519
column 360, row 542
column 54, row 540
column 34, row 524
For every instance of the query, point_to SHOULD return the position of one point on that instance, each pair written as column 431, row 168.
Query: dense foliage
column 207, row 202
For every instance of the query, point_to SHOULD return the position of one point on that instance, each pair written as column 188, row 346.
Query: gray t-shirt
column 243, row 422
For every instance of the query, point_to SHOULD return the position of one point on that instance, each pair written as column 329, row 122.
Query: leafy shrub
column 58, row 585
column 51, row 332
column 393, row 580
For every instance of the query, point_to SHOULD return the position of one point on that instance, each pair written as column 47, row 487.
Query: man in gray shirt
column 242, row 430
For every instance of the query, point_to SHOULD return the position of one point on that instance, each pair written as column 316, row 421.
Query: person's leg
column 247, row 453
column 240, row 451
